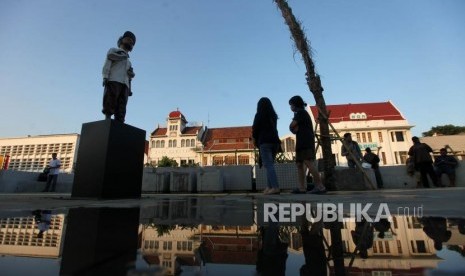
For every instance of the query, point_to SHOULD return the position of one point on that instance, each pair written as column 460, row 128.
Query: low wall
column 235, row 178
column 395, row 177
column 26, row 182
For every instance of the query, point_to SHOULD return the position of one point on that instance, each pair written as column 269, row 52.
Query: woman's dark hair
column 298, row 102
column 265, row 108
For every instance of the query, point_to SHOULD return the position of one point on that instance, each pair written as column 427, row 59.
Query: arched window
column 170, row 143
column 153, row 143
column 162, row 144
column 192, row 142
column 188, row 143
column 174, row 143
column 157, row 145
column 183, row 143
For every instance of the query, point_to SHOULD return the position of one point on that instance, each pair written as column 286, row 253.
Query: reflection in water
column 100, row 241
column 314, row 250
column 207, row 236
column 271, row 258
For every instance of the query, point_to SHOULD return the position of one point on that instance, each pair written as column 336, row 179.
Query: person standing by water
column 54, row 166
column 266, row 139
column 302, row 127
column 421, row 156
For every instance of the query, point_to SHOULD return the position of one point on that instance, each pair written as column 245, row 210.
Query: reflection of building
column 33, row 153
column 18, row 237
column 372, row 125
column 229, row 244
column 164, row 246
column 190, row 145
column 405, row 249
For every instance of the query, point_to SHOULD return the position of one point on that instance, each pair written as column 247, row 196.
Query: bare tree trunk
column 314, row 84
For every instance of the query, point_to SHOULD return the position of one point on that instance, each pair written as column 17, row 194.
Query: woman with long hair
column 266, row 139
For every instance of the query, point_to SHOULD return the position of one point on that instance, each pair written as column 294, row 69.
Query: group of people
column 351, row 150
column 420, row 161
column 266, row 139
column 117, row 75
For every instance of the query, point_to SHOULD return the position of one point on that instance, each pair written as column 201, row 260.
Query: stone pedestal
column 109, row 161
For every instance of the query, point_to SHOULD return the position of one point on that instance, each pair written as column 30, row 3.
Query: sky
column 213, row 60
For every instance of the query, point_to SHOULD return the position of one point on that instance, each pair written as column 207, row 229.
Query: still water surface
column 207, row 236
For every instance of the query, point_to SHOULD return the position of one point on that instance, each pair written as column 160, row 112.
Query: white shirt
column 54, row 163
column 116, row 66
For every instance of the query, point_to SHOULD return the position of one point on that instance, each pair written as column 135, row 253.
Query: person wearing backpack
column 374, row 160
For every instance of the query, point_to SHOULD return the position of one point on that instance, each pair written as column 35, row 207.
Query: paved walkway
column 446, row 202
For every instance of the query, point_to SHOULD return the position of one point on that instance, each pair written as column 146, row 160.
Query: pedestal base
column 109, row 161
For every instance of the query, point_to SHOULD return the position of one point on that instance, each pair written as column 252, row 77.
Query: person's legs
column 301, row 176
column 451, row 174
column 379, row 179
column 122, row 100
column 432, row 174
column 54, row 182
column 49, row 181
column 266, row 151
column 319, row 187
column 423, row 172
column 110, row 99
column 351, row 163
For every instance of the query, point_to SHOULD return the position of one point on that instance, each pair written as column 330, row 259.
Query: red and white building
column 200, row 145
column 378, row 126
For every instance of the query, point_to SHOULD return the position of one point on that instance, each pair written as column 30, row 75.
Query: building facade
column 455, row 144
column 199, row 145
column 177, row 141
column 33, row 153
column 378, row 126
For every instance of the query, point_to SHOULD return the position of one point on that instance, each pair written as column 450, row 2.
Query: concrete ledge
column 26, row 182
column 348, row 179
column 237, row 179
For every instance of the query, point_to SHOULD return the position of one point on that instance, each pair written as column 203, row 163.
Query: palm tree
column 314, row 84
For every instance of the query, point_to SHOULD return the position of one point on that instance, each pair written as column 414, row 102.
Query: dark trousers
column 351, row 163
column 115, row 99
column 426, row 168
column 51, row 181
column 379, row 179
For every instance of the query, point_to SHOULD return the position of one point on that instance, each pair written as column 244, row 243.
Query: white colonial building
column 32, row 153
column 177, row 141
column 200, row 145
column 373, row 125
column 378, row 126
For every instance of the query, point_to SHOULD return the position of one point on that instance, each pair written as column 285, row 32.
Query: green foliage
column 444, row 130
column 167, row 162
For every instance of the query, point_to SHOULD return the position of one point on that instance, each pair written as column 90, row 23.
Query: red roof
column 177, row 114
column 161, row 131
column 374, row 111
column 243, row 254
column 229, row 138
